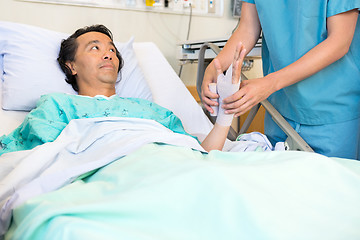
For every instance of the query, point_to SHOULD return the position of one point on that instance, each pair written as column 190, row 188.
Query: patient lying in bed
column 79, row 184
column 91, row 63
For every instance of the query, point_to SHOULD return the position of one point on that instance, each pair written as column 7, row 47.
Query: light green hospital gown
column 54, row 111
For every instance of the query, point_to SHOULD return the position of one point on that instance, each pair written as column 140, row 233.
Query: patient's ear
column 71, row 66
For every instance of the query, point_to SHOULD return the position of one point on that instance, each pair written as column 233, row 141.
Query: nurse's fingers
column 218, row 67
column 234, row 97
column 238, row 62
column 206, row 96
column 234, row 100
column 244, row 108
column 237, row 103
column 239, row 107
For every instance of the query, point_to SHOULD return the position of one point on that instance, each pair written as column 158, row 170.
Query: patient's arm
column 226, row 86
column 216, row 138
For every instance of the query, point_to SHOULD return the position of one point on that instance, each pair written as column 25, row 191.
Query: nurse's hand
column 251, row 92
column 214, row 70
column 210, row 76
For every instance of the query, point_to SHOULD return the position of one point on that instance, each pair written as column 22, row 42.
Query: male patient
column 91, row 63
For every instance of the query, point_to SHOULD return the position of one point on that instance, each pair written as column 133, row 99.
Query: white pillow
column 1, row 65
column 30, row 68
column 133, row 82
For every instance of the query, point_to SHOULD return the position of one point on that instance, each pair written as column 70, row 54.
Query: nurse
column 311, row 65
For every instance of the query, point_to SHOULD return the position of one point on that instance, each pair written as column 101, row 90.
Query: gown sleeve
column 43, row 124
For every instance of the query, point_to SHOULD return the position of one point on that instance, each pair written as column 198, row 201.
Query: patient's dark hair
column 69, row 47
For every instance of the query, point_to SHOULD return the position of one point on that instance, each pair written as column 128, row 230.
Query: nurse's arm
column 248, row 32
column 341, row 28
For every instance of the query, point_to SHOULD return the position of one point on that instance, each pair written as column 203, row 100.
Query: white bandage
column 225, row 88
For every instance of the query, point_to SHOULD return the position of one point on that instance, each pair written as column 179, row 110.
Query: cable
column 180, row 70
column 188, row 34
column 236, row 26
column 189, row 26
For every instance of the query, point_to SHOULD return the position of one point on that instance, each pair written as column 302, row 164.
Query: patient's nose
column 107, row 57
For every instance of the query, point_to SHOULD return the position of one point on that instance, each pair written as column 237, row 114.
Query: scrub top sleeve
column 249, row 1
column 340, row 6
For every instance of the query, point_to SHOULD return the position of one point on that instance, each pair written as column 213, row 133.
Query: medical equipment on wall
column 199, row 7
column 188, row 51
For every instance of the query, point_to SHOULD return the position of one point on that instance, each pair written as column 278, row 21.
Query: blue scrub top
column 290, row 30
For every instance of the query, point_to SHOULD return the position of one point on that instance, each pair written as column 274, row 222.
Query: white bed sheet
column 167, row 88
column 9, row 120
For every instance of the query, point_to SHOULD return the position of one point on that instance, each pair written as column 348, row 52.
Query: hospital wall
column 165, row 30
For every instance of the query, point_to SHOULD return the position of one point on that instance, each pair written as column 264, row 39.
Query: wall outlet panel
column 211, row 6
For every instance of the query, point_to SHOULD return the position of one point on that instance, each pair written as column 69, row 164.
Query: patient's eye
column 112, row 50
column 95, row 48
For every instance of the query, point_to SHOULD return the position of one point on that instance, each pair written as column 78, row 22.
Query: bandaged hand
column 227, row 85
column 224, row 88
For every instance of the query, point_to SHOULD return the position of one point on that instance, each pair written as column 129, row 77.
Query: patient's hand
column 228, row 84
column 210, row 98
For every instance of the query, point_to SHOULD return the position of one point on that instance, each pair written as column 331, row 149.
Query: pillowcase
column 133, row 82
column 28, row 55
column 1, row 65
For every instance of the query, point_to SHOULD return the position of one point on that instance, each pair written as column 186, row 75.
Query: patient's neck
column 93, row 92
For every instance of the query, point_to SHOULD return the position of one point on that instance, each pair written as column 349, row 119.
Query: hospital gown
column 54, row 111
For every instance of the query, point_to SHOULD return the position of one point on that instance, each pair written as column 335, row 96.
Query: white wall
column 165, row 30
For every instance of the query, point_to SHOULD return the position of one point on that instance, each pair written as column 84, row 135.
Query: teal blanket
column 55, row 111
column 168, row 192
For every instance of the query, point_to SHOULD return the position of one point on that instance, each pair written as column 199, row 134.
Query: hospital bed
column 158, row 185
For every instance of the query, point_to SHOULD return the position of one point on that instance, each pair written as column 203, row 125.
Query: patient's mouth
column 107, row 65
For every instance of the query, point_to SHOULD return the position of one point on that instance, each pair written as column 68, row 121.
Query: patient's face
column 95, row 60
